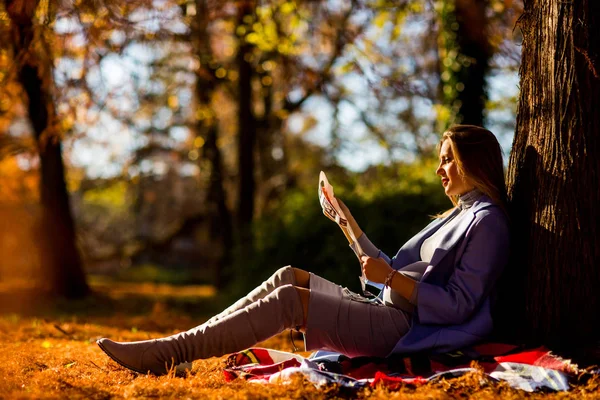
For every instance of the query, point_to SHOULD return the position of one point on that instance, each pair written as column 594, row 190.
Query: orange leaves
column 17, row 184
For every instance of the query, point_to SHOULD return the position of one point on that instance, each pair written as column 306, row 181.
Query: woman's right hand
column 353, row 224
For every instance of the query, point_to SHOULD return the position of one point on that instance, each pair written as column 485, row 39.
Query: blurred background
column 180, row 142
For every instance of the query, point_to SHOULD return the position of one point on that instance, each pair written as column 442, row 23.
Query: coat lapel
column 455, row 235
column 452, row 237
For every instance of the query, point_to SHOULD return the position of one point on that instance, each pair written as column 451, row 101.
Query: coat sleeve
column 484, row 258
column 369, row 248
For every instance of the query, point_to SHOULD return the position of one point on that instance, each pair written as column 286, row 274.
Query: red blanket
column 525, row 369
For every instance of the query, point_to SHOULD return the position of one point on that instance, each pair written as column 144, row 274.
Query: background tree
column 34, row 66
column 207, row 128
column 465, row 53
column 554, row 174
column 50, row 62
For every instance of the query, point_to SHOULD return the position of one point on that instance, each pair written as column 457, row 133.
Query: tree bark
column 553, row 177
column 60, row 255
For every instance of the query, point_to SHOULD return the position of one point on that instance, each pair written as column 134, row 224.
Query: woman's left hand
column 375, row 269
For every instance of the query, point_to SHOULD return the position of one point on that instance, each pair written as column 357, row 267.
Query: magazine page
column 333, row 211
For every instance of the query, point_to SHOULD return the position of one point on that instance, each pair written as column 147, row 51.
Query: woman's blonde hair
column 478, row 157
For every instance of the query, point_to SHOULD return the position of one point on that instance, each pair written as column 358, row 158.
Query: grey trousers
column 339, row 320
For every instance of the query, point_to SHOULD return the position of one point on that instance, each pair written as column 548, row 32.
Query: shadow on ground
column 154, row 307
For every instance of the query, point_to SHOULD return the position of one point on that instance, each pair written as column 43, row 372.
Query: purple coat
column 453, row 300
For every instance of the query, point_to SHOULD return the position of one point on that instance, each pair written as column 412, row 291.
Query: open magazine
column 333, row 211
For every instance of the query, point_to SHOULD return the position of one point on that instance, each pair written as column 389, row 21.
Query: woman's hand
column 353, row 224
column 375, row 269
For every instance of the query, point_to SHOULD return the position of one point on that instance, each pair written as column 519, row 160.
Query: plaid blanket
column 525, row 369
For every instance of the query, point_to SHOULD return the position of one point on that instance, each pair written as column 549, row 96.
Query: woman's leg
column 340, row 321
column 284, row 308
column 287, row 275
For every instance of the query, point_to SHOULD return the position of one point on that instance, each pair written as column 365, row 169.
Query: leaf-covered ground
column 50, row 352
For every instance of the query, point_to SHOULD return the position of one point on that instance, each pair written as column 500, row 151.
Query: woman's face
column 453, row 183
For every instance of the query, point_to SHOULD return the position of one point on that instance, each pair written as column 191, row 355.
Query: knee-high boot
column 283, row 276
column 280, row 310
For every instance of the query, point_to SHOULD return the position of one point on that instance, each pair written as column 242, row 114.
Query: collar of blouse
column 466, row 201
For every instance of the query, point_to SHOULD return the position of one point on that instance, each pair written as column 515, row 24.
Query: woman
column 438, row 287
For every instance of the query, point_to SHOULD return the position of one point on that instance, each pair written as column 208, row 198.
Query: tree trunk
column 473, row 44
column 554, row 174
column 246, row 133
column 464, row 60
column 59, row 251
column 220, row 219
column 271, row 153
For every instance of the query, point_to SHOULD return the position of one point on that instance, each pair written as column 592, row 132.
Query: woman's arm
column 368, row 247
column 377, row 270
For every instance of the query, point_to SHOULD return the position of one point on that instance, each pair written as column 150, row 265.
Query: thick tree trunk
column 59, row 251
column 554, row 174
